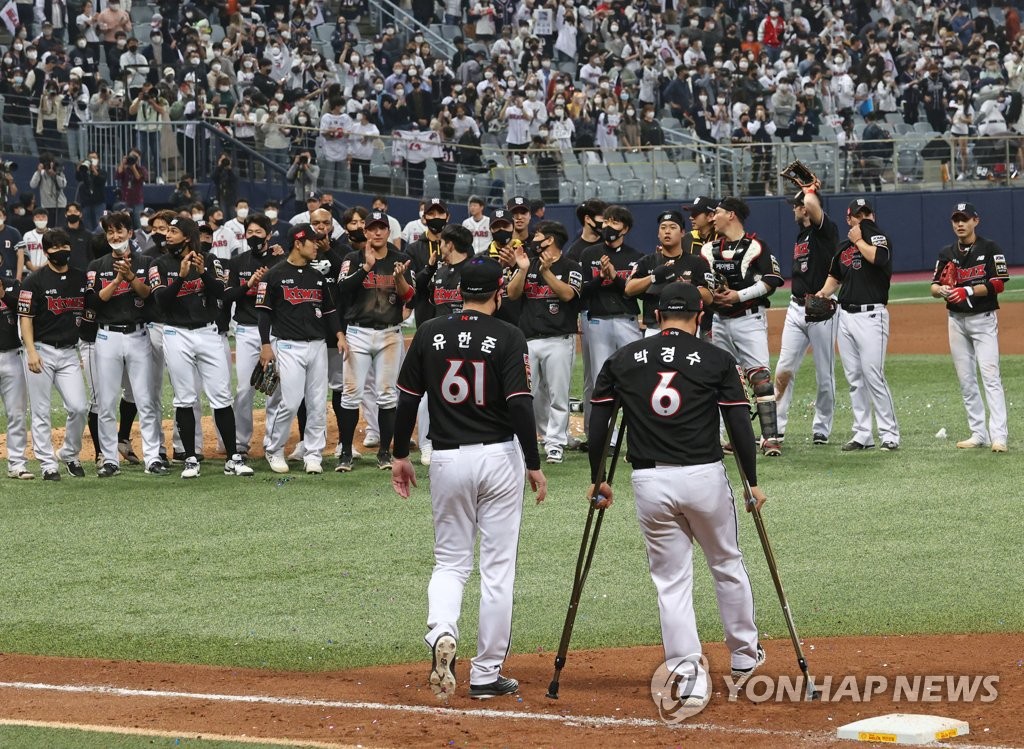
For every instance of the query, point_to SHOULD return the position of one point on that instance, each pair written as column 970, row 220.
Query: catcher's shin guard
column 760, row 380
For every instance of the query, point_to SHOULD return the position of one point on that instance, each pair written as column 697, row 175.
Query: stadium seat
column 636, row 157
column 632, row 190
column 463, row 187
column 567, row 192
column 699, row 186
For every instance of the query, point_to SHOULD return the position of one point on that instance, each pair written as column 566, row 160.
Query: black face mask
column 537, row 247
column 73, row 218
column 502, row 237
column 256, row 243
column 609, row 234
column 435, row 224
column 158, row 240
column 357, row 235
column 59, row 258
column 176, row 249
column 207, row 246
column 598, row 226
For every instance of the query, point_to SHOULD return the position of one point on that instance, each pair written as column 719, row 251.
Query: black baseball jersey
column 444, row 289
column 371, row 299
column 194, row 301
column 240, row 269
column 543, row 314
column 743, row 263
column 982, row 261
column 296, row 297
column 604, row 298
column 469, row 366
column 692, row 268
column 671, row 386
column 419, row 252
column 864, row 282
column 125, row 307
column 576, row 248
column 9, row 337
column 55, row 302
column 329, row 264
column 812, row 256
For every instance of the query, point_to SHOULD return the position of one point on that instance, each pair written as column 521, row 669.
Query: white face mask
column 270, row 213
column 144, row 222
column 40, row 225
column 119, row 246
column 242, row 213
column 197, row 217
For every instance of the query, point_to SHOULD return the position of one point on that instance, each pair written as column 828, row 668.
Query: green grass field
column 59, row 738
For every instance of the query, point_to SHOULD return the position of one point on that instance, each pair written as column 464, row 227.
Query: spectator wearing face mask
column 109, row 22
column 31, row 256
column 275, row 126
column 563, row 130
column 18, row 125
column 770, row 33
column 651, row 134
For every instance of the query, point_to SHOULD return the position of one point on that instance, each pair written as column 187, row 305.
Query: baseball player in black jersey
column 668, row 263
column 549, row 284
column 751, row 275
column 442, row 278
column 50, row 306
column 969, row 275
column 245, row 271
column 702, row 222
column 503, row 249
column 376, row 285
column 815, row 245
column 672, row 388
column 116, row 291
column 861, row 272
column 611, row 316
column 425, row 252
column 296, row 308
column 13, row 388
column 186, row 285
column 476, row 371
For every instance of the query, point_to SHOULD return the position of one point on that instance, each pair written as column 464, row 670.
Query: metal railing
column 407, row 24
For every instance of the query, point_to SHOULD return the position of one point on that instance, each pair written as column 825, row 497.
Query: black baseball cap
column 680, row 297
column 314, row 196
column 735, row 205
column 964, row 209
column 435, row 203
column 518, row 203
column 303, row 231
column 700, row 204
column 674, row 216
column 187, row 226
column 378, row 217
column 859, row 205
column 480, row 276
column 500, row 215
column 797, row 199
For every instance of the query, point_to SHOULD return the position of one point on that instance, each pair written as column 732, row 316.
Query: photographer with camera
column 225, row 180
column 303, row 173
column 149, row 108
column 91, row 193
column 49, row 179
column 8, row 187
column 78, row 116
column 131, row 176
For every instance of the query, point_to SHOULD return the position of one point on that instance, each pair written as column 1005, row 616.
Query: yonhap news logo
column 908, row 689
column 681, row 688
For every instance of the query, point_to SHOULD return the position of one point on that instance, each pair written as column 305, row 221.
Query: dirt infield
column 605, row 698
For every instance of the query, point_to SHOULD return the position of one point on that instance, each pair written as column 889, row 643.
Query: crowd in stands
column 304, row 83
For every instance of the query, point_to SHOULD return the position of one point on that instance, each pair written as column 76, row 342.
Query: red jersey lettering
column 301, row 296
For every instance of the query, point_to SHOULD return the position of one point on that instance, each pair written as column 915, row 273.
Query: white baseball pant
column 677, row 505
column 588, row 375
column 863, row 338
column 61, row 369
column 551, row 367
column 114, row 358
column 156, row 341
column 745, row 337
column 476, row 489
column 247, row 354
column 303, row 369
column 195, row 359
column 974, row 344
column 797, row 335
column 382, row 349
column 14, row 391
column 604, row 336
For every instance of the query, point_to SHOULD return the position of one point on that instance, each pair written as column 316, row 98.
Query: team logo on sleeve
column 1000, row 263
column 154, row 276
column 261, row 293
column 25, row 302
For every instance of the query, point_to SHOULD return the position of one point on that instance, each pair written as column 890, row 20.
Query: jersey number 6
column 666, row 400
column 456, row 388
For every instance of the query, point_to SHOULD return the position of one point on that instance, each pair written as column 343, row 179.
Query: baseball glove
column 265, row 378
column 819, row 309
column 721, row 282
column 799, row 174
column 948, row 276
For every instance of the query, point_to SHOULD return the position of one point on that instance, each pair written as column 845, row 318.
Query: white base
column 903, row 728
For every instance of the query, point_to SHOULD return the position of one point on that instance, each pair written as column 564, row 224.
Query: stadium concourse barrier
column 913, row 169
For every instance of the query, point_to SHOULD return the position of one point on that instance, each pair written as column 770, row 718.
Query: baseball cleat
column 53, row 475
column 854, row 446
column 554, row 455
column 180, row 457
column 889, row 446
column 313, row 464
column 157, row 468
column 371, row 440
column 740, row 675
column 771, row 448
column 500, row 686
column 21, row 474
column 191, row 470
column 125, row 448
column 344, row 463
column 109, row 470
column 277, row 463
column 75, row 469
column 820, row 439
column 298, row 453
column 426, row 453
column 236, row 466
column 442, row 672
column 384, row 460
column 356, row 455
column 999, row 447
column 971, row 442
